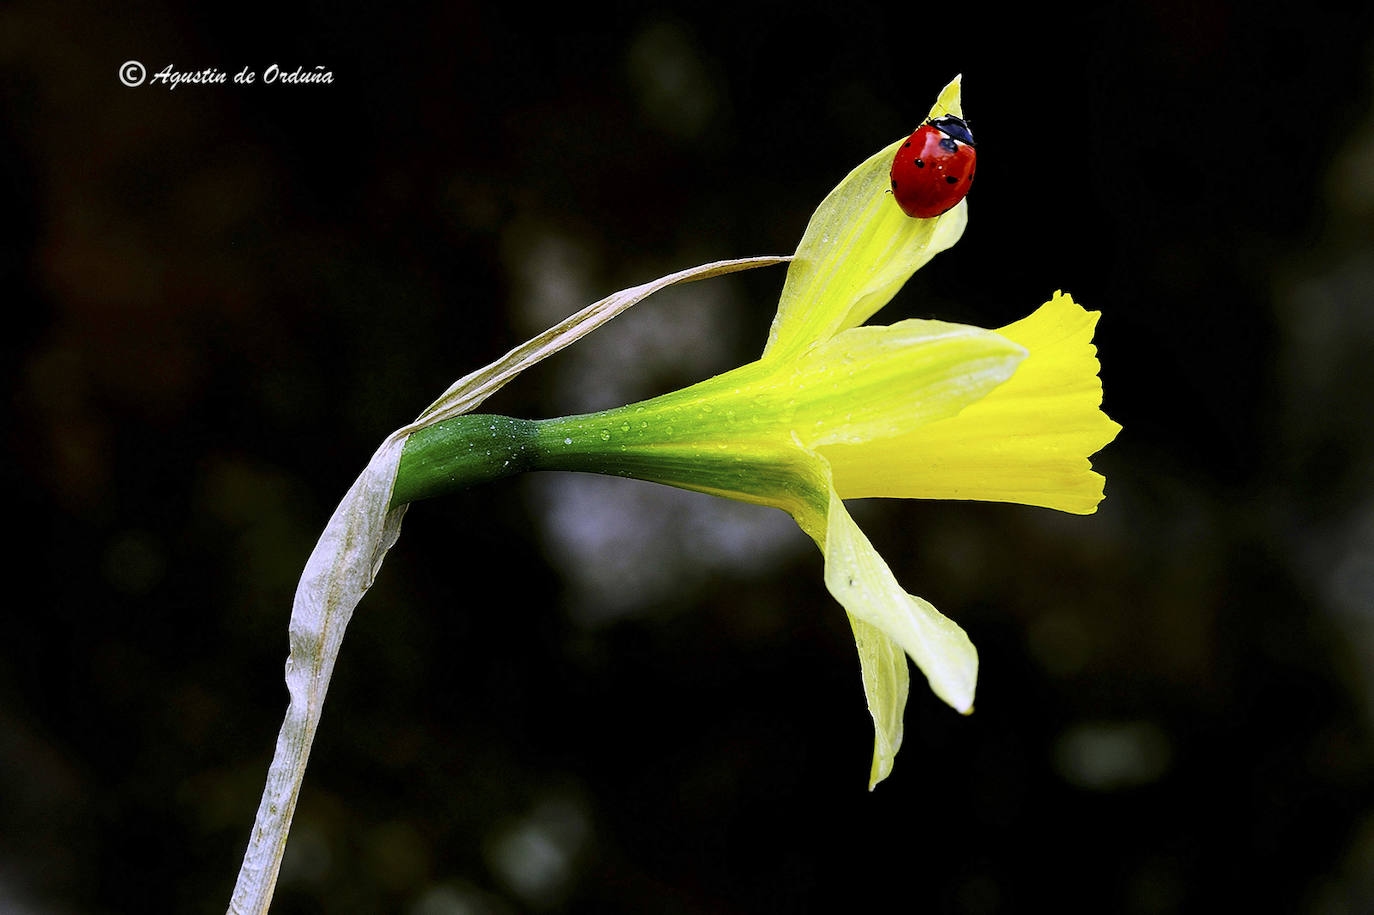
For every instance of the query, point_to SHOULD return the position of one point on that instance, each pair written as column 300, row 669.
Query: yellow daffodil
column 835, row 410
column 831, row 410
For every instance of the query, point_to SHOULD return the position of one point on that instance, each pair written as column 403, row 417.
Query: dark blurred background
column 576, row 694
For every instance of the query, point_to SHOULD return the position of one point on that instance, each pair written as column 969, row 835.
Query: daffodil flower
column 831, row 410
column 834, row 410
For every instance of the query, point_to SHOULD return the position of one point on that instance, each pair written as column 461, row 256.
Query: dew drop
column 567, row 441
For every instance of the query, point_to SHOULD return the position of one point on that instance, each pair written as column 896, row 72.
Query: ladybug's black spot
column 894, row 184
column 950, row 179
column 906, row 145
column 920, row 164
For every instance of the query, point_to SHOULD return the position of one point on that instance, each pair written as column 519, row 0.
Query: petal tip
column 950, row 100
column 882, row 768
column 955, row 681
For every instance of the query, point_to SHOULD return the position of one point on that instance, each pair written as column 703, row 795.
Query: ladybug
column 934, row 168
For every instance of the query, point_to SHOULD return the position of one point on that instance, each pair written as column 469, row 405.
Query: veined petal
column 877, row 382
column 861, row 581
column 858, row 250
column 887, row 621
column 1028, row 441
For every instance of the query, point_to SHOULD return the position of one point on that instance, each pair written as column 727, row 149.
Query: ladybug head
column 956, row 128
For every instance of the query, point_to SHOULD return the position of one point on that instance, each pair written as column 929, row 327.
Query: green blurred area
column 575, row 694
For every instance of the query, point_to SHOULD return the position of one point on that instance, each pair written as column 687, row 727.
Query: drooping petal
column 886, row 684
column 858, row 250
column 1028, row 441
column 887, row 621
column 877, row 382
column 864, row 585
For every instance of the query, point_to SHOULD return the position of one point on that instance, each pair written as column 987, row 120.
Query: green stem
column 453, row 455
column 726, row 435
column 651, row 441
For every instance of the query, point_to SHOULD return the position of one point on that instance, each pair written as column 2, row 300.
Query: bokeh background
column 576, row 694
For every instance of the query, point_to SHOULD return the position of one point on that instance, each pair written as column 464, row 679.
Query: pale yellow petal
column 875, row 382
column 886, row 684
column 858, row 250
column 1028, row 441
column 887, row 621
column 950, row 100
column 861, row 581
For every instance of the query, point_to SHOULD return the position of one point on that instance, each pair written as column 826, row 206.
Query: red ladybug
column 934, row 168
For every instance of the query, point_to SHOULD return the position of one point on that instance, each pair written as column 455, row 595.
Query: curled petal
column 886, row 684
column 862, row 582
column 888, row 622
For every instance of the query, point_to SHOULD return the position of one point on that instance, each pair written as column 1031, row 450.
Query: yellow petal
column 858, row 250
column 861, row 581
column 1027, row 441
column 877, row 382
column 886, row 684
column 950, row 100
column 887, row 621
